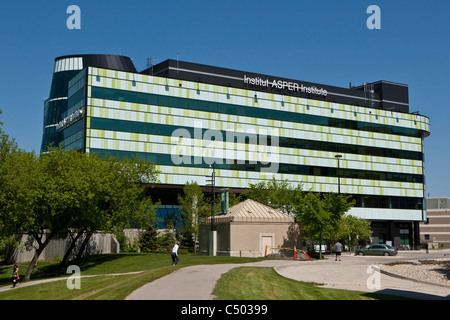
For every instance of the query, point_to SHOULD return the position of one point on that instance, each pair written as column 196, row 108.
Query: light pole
column 338, row 157
column 213, row 232
column 212, row 183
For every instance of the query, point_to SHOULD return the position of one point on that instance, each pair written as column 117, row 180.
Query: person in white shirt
column 338, row 247
column 174, row 253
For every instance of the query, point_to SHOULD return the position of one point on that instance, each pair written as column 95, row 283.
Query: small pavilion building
column 249, row 229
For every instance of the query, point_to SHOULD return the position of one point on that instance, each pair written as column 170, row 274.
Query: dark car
column 377, row 250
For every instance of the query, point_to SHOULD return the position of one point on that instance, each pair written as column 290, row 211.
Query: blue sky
column 323, row 41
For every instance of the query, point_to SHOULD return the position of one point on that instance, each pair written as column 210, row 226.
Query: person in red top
column 15, row 276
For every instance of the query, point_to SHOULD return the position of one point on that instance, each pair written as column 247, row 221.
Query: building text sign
column 284, row 85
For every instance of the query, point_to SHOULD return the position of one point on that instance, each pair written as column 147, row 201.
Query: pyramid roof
column 252, row 211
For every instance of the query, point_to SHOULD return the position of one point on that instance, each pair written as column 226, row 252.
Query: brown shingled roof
column 252, row 211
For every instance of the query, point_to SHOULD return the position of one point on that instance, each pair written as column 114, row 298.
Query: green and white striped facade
column 121, row 110
column 185, row 117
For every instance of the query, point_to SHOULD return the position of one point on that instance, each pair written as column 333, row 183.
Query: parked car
column 377, row 250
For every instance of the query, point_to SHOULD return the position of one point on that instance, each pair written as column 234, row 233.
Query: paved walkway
column 192, row 283
column 352, row 273
column 362, row 274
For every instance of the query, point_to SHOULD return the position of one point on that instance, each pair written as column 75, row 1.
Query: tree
column 353, row 228
column 280, row 195
column 116, row 197
column 20, row 191
column 68, row 191
column 193, row 210
column 63, row 192
column 8, row 236
column 321, row 213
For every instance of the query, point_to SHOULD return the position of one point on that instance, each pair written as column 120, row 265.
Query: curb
column 394, row 275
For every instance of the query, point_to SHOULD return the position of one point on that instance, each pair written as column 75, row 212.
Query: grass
column 250, row 283
column 94, row 288
column 242, row 283
column 153, row 266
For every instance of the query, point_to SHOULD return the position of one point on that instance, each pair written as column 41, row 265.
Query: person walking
column 15, row 276
column 338, row 248
column 174, row 253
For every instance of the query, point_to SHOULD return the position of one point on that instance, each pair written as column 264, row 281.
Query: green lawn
column 153, row 266
column 253, row 283
column 243, row 283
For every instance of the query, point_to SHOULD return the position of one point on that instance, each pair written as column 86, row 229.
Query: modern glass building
column 189, row 118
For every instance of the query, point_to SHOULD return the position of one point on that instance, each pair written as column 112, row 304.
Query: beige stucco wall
column 437, row 228
column 248, row 239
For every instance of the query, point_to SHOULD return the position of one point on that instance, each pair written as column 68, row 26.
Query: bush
column 124, row 243
column 150, row 241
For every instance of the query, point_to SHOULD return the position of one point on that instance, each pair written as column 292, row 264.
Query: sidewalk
column 352, row 273
column 361, row 274
column 193, row 283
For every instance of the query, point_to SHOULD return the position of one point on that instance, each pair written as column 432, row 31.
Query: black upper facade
column 383, row 95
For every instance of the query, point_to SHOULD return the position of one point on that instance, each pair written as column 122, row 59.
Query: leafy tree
column 321, row 213
column 193, row 210
column 115, row 199
column 20, row 192
column 353, row 228
column 62, row 191
column 8, row 147
column 280, row 195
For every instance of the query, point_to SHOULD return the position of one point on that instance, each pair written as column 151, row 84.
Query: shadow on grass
column 48, row 269
column 115, row 263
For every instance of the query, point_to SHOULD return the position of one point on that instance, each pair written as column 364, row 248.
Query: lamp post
column 213, row 232
column 338, row 157
column 212, row 184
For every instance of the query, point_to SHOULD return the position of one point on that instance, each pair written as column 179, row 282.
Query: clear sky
column 322, row 41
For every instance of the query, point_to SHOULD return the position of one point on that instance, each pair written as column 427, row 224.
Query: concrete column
column 416, row 235
column 213, row 243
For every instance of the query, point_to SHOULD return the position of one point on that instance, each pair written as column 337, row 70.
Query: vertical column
column 416, row 235
column 213, row 243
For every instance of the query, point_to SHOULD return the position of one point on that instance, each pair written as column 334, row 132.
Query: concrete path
column 352, row 273
column 192, row 283
column 362, row 274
